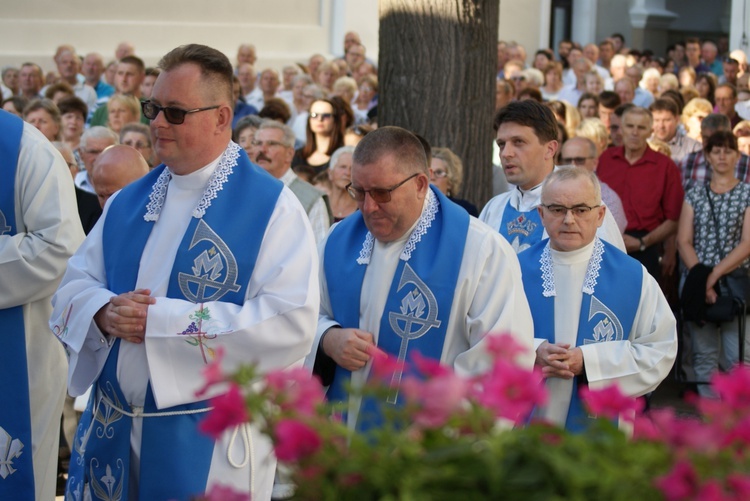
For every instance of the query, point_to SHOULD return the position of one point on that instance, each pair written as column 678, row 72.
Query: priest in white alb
column 599, row 317
column 192, row 258
column 410, row 271
column 39, row 231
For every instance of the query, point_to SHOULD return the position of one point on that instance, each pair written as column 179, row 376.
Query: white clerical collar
column 211, row 178
column 593, row 251
column 430, row 208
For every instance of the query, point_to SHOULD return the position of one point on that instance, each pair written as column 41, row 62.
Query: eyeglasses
column 562, row 211
column 439, row 173
column 379, row 195
column 574, row 160
column 136, row 144
column 175, row 116
column 270, row 144
column 518, row 78
column 322, row 116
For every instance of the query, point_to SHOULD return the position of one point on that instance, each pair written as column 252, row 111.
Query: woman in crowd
column 73, row 113
column 705, row 84
column 15, row 105
column 686, row 76
column 327, row 75
column 552, row 81
column 58, row 91
column 244, row 133
column 713, row 240
column 121, row 110
column 137, row 135
column 447, row 174
column 345, row 88
column 45, row 116
column 325, row 134
column 742, row 133
column 650, row 81
column 594, row 82
column 588, row 106
column 668, row 81
column 693, row 114
column 335, row 180
column 567, row 115
column 276, row 109
column 367, row 97
column 354, row 134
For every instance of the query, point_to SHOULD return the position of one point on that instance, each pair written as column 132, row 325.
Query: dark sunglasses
column 174, row 115
column 379, row 195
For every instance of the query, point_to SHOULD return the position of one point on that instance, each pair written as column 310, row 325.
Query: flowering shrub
column 470, row 438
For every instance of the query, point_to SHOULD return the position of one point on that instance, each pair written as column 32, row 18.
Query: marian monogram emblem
column 521, row 225
column 607, row 329
column 10, row 449
column 418, row 314
column 4, row 228
column 214, row 270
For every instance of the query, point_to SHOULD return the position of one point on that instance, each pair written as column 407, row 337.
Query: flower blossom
column 436, row 399
column 680, row 483
column 504, row 347
column 212, row 373
column 295, row 390
column 383, row 364
column 734, row 388
column 219, row 492
column 610, row 402
column 228, row 411
column 295, row 440
column 510, row 391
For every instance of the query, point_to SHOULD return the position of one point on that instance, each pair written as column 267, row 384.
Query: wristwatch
column 643, row 245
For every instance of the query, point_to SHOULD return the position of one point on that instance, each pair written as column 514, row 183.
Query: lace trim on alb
column 592, row 270
column 595, row 264
column 424, row 223
column 215, row 185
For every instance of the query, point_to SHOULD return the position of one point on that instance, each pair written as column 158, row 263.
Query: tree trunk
column 437, row 64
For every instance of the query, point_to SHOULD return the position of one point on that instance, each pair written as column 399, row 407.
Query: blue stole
column 607, row 314
column 419, row 301
column 17, row 475
column 521, row 229
column 214, row 262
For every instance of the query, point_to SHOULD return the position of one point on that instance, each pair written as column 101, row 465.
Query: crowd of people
column 611, row 164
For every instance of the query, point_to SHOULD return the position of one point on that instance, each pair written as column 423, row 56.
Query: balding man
column 124, row 49
column 68, row 66
column 246, row 54
column 30, row 81
column 93, row 142
column 93, row 69
column 115, row 168
column 599, row 318
column 582, row 152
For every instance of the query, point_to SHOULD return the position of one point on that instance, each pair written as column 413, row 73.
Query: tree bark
column 437, row 78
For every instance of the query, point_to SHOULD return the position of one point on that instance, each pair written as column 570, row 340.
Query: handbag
column 733, row 289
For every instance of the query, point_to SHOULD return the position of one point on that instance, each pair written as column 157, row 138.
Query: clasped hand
column 558, row 360
column 124, row 316
column 349, row 348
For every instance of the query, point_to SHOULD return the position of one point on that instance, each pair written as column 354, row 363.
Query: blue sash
column 214, row 262
column 521, row 229
column 607, row 314
column 17, row 475
column 420, row 297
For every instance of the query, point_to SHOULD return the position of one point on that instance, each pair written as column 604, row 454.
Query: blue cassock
column 16, row 465
column 419, row 303
column 214, row 262
column 607, row 311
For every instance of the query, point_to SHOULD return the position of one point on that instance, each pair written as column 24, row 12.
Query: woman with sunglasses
column 325, row 134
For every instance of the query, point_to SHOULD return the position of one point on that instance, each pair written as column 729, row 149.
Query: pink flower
column 504, row 347
column 734, row 387
column 510, row 391
column 739, row 485
column 295, row 440
column 228, row 411
column 212, row 373
column 219, row 492
column 437, row 399
column 429, row 367
column 296, row 390
column 610, row 402
column 383, row 364
column 711, row 491
column 679, row 484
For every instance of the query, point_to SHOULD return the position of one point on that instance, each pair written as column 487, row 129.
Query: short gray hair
column 570, row 173
column 287, row 139
column 98, row 132
column 337, row 154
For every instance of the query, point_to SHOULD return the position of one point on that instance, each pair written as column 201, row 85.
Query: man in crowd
column 184, row 264
column 30, row 80
column 649, row 186
column 251, row 92
column 115, row 168
column 68, row 66
column 410, row 244
column 726, row 99
column 274, row 147
column 572, row 93
column 641, row 97
column 269, row 84
column 93, row 142
column 693, row 55
column 731, row 71
column 128, row 79
column 666, row 128
column 92, row 70
column 709, row 54
column 527, row 137
column 608, row 102
column 39, row 231
column 623, row 335
column 695, row 169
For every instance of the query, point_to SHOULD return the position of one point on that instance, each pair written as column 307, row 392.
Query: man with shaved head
column 115, row 168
